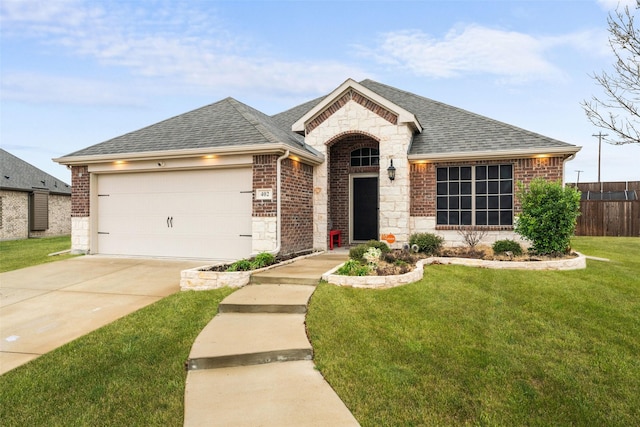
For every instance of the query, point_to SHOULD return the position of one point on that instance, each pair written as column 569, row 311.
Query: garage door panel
column 208, row 212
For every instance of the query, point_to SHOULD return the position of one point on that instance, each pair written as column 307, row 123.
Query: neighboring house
column 226, row 181
column 32, row 202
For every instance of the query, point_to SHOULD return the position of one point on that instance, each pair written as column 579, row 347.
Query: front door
column 364, row 208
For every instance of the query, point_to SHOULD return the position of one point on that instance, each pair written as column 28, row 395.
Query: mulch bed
column 280, row 258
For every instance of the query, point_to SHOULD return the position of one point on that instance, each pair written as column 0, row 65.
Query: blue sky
column 77, row 72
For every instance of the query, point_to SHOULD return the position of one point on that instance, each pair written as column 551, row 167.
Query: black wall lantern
column 391, row 171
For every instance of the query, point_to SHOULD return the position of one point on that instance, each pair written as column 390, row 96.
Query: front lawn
column 15, row 254
column 471, row 346
column 128, row 373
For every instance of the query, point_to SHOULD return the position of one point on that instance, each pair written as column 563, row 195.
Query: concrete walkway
column 252, row 364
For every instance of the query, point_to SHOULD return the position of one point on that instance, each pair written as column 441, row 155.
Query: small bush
column 263, row 259
column 357, row 252
column 549, row 215
column 241, row 265
column 502, row 246
column 428, row 243
column 353, row 268
column 472, row 236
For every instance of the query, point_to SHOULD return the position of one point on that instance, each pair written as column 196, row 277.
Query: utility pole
column 578, row 180
column 599, row 135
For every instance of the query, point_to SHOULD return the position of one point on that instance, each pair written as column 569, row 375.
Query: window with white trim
column 474, row 195
column 365, row 157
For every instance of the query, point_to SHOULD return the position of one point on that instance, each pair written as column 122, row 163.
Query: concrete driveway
column 45, row 306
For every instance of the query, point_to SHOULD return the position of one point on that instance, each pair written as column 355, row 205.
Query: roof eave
column 497, row 154
column 174, row 154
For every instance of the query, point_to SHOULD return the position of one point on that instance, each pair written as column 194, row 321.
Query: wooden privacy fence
column 609, row 217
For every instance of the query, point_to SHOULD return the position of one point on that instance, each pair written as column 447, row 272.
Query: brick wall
column 15, row 216
column 80, row 191
column 264, row 176
column 525, row 170
column 423, row 179
column 297, row 206
column 59, row 217
column 339, row 170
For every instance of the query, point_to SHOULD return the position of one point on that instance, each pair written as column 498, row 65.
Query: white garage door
column 190, row 214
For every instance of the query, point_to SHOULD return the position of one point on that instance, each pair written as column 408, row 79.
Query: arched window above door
column 365, row 157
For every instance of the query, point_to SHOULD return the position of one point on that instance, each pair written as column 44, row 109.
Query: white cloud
column 613, row 4
column 171, row 44
column 512, row 56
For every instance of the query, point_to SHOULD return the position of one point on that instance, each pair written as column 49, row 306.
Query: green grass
column 128, row 373
column 471, row 346
column 15, row 254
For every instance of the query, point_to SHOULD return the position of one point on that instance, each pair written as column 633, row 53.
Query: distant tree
column 618, row 111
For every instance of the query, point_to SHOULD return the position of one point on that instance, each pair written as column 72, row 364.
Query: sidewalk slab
column 276, row 394
column 306, row 271
column 268, row 299
column 233, row 339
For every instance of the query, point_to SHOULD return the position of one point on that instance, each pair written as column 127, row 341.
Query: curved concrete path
column 252, row 364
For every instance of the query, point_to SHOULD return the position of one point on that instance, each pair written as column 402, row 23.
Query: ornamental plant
column 372, row 256
column 549, row 215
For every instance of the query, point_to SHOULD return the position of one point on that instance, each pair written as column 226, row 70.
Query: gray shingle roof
column 448, row 129
column 16, row 174
column 226, row 123
column 230, row 123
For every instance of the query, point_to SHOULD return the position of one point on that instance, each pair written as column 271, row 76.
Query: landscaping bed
column 234, row 275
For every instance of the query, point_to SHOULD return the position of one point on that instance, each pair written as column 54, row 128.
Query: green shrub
column 502, row 246
column 428, row 243
column 549, row 215
column 263, row 259
column 384, row 248
column 240, row 265
column 357, row 252
column 353, row 268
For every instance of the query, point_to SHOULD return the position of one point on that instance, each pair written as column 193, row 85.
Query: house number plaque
column 264, row 194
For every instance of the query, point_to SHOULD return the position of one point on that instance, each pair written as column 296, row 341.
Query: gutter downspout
column 279, row 204
column 564, row 163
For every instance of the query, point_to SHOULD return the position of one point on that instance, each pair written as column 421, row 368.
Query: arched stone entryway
column 353, row 185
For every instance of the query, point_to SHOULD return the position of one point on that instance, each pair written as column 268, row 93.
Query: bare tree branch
column 617, row 111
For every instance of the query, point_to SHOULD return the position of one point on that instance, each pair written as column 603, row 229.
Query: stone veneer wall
column 423, row 191
column 354, row 118
column 296, row 206
column 80, row 204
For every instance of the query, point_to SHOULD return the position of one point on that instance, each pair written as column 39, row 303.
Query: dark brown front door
column 365, row 208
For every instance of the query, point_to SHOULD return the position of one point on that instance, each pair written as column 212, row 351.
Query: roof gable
column 16, row 174
column 353, row 91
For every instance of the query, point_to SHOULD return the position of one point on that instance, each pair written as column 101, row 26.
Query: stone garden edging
column 384, row 282
column 199, row 279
